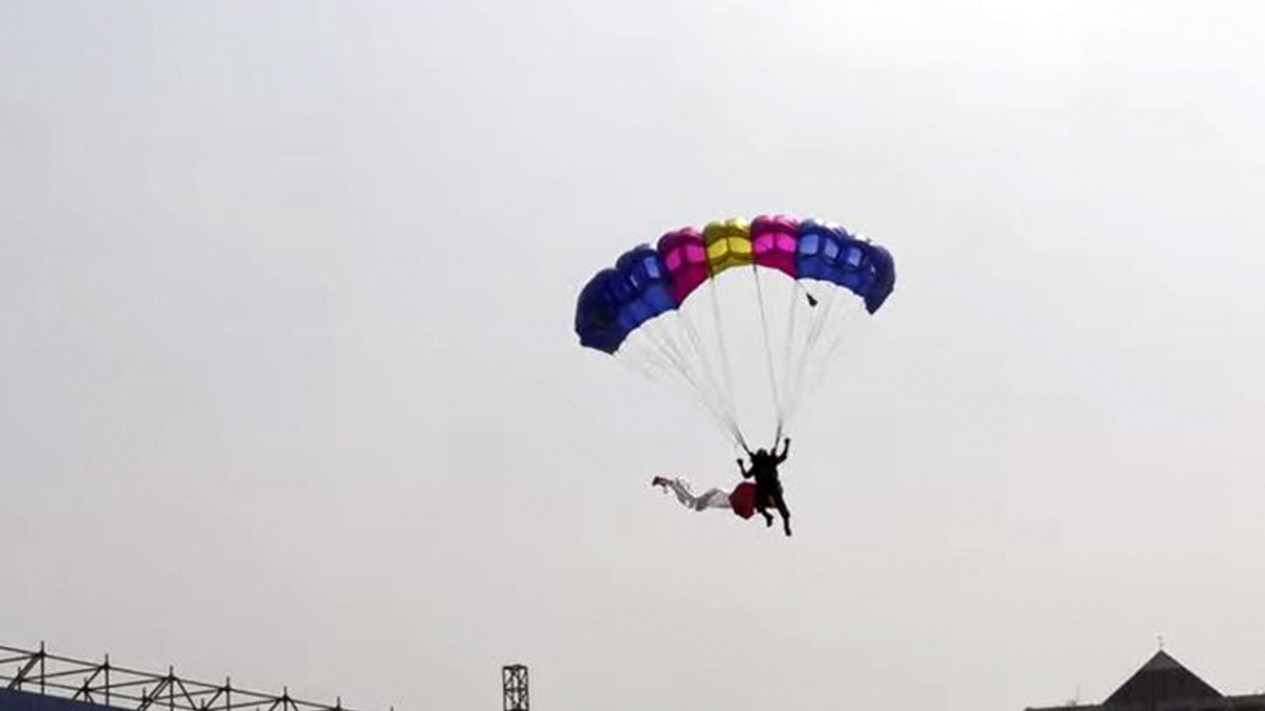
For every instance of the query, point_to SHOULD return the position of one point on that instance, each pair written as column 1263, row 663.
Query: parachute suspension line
column 643, row 363
column 768, row 353
column 818, row 374
column 672, row 354
column 835, row 345
column 815, row 328
column 702, row 400
column 667, row 359
column 724, row 359
column 787, row 345
column 669, row 345
column 686, row 326
column 823, row 350
column 703, row 385
column 656, row 364
column 710, row 398
column 653, row 361
column 797, row 369
column 814, row 361
column 660, row 355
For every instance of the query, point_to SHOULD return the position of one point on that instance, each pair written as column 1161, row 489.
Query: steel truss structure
column 514, row 686
column 37, row 671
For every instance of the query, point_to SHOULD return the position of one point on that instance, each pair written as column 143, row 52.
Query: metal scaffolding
column 514, row 683
column 37, row 671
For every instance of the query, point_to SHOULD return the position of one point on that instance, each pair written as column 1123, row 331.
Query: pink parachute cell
column 686, row 259
column 774, row 239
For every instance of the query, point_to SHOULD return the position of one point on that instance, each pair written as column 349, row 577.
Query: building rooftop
column 1164, row 684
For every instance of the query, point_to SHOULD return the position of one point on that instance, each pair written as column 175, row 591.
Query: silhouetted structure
column 1163, row 684
column 514, row 682
column 34, row 680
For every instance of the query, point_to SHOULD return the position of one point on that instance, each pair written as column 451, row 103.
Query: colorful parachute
column 685, row 306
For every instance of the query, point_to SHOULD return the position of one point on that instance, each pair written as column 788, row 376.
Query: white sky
column 290, row 392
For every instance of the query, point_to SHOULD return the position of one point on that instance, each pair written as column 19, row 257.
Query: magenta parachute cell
column 774, row 240
column 686, row 260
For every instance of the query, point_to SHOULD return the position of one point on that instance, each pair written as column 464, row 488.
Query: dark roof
column 1163, row 683
column 1159, row 680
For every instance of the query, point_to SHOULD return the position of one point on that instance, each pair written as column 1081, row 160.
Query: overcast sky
column 289, row 390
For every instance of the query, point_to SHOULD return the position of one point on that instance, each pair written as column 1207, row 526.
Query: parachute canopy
column 645, row 282
column 648, row 286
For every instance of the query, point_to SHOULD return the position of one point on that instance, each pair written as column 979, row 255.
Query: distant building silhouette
column 1163, row 684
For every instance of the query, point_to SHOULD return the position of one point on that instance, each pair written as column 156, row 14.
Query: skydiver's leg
column 786, row 514
column 762, row 501
column 768, row 517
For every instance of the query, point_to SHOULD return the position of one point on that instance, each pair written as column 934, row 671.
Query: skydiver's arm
column 786, row 449
column 742, row 466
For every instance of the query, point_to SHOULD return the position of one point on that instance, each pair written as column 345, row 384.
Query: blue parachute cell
column 883, row 270
column 597, row 313
column 829, row 253
column 618, row 300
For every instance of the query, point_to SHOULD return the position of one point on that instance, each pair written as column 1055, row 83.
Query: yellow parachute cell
column 728, row 244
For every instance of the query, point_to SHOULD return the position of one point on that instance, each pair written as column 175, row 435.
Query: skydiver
column 768, row 487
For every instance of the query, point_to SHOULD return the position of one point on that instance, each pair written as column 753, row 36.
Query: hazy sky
column 290, row 391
